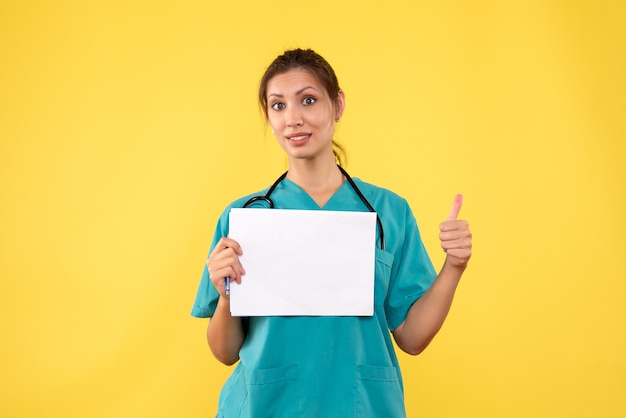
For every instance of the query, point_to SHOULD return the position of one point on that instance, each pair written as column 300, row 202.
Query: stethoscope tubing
column 267, row 199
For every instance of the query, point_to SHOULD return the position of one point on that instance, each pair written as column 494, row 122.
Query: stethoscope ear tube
column 258, row 199
column 267, row 197
column 369, row 206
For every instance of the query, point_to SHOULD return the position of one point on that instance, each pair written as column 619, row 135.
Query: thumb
column 456, row 207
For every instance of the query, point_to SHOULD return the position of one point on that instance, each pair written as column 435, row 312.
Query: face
column 302, row 115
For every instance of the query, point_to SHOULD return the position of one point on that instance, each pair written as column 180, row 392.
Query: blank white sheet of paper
column 304, row 262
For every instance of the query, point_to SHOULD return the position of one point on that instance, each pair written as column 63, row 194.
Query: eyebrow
column 297, row 93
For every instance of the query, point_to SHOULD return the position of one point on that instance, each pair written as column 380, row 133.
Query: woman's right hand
column 224, row 262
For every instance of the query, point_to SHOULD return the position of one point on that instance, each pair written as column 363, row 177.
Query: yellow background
column 126, row 127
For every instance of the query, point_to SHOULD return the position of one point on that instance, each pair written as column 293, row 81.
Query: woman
column 327, row 366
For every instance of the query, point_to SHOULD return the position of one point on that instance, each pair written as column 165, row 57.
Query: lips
column 297, row 137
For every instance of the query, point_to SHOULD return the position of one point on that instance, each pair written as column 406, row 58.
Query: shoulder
column 239, row 203
column 223, row 221
column 380, row 194
column 392, row 208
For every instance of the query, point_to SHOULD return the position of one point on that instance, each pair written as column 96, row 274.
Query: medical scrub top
column 325, row 367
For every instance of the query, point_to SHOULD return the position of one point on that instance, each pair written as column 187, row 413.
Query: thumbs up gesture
column 456, row 237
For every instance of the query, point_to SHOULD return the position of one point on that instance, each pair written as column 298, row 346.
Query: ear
column 340, row 105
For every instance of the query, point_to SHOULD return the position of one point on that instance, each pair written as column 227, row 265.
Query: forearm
column 429, row 312
column 225, row 333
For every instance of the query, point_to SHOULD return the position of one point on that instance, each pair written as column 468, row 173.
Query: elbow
column 411, row 344
column 224, row 347
column 224, row 353
column 225, row 358
column 415, row 350
column 228, row 361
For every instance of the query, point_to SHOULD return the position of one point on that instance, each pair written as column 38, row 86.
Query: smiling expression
column 301, row 114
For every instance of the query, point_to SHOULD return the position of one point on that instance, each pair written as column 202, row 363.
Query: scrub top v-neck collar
column 289, row 185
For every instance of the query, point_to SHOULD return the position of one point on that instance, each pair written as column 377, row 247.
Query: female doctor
column 322, row 367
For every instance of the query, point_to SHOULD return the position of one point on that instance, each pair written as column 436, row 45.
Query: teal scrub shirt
column 326, row 367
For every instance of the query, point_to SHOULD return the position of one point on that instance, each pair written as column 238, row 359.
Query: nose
column 294, row 116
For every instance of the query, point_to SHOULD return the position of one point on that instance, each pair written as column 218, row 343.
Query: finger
column 454, row 234
column 460, row 243
column 456, row 207
column 454, row 227
column 225, row 263
column 226, row 242
column 230, row 272
column 457, row 225
column 235, row 263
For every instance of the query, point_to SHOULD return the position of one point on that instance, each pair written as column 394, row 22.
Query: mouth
column 298, row 137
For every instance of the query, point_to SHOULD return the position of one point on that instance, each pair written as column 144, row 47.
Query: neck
column 315, row 175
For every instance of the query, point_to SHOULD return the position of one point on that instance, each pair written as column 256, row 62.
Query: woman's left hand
column 456, row 237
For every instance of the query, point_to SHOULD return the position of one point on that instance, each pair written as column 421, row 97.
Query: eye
column 308, row 101
column 278, row 106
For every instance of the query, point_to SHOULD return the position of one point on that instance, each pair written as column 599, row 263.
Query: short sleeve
column 412, row 272
column 207, row 295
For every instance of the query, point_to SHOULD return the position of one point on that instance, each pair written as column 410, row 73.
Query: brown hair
column 311, row 61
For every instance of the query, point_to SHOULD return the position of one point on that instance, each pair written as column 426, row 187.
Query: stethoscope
column 267, row 199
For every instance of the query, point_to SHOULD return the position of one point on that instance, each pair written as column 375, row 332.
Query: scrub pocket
column 378, row 392
column 274, row 393
column 384, row 261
